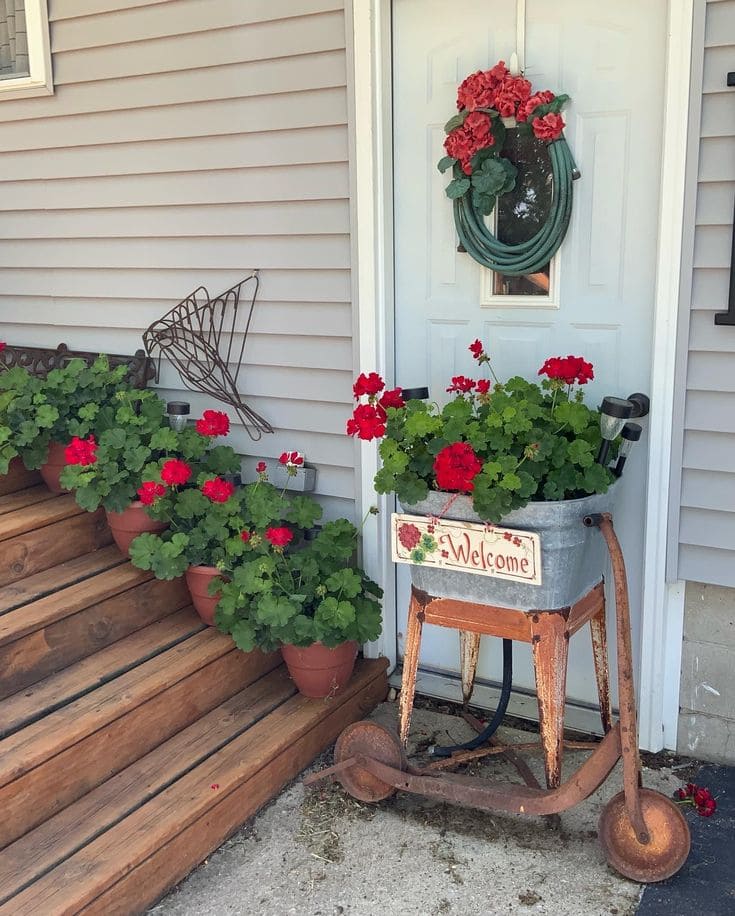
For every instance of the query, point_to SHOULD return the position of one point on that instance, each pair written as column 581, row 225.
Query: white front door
column 610, row 59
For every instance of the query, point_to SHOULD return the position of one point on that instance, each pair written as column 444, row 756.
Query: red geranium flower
column 483, row 386
column 476, row 348
column 569, row 369
column 456, row 466
column 175, row 472
column 218, row 490
column 409, row 535
column 213, row 423
column 294, row 459
column 461, row 384
column 392, row 398
column 699, row 797
column 549, row 127
column 261, row 467
column 279, row 537
column 368, row 384
column 367, row 422
column 245, row 536
column 531, row 104
column 150, row 491
column 81, row 451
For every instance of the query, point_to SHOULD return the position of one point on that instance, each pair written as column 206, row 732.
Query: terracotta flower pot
column 128, row 524
column 51, row 469
column 198, row 579
column 318, row 671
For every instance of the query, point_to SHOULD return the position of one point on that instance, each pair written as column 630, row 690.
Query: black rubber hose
column 494, row 724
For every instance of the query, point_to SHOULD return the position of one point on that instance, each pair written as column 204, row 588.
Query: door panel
column 611, row 62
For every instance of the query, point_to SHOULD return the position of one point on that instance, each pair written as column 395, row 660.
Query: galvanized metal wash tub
column 573, row 557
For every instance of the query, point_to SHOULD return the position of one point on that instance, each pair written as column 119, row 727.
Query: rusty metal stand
column 643, row 834
column 547, row 631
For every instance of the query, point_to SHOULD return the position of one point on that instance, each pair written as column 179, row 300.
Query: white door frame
column 369, row 76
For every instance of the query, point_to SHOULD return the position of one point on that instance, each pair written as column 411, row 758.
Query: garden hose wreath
column 489, row 102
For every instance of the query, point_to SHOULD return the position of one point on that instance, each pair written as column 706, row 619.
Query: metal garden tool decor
column 204, row 338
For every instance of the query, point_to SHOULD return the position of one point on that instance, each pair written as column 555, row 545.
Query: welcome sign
column 485, row 550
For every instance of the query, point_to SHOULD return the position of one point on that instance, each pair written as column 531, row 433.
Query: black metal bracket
column 41, row 360
column 728, row 317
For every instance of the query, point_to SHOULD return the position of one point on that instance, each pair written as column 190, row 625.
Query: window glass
column 13, row 39
column 521, row 213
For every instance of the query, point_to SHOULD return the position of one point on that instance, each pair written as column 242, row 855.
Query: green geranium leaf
column 446, row 162
column 457, row 187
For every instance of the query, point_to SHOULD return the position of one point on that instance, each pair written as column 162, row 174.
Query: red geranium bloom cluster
column 292, row 459
column 409, row 535
column 526, row 109
column 261, row 467
column 480, row 89
column 279, row 537
column 175, row 472
column 245, row 536
column 81, row 451
column 150, row 491
column 218, row 490
column 461, row 384
column 549, row 127
column 477, row 349
column 698, row 796
column 368, row 420
column 213, row 423
column 483, row 386
column 456, row 466
column 463, row 142
column 569, row 369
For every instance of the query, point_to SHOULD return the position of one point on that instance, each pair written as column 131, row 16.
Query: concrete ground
column 317, row 852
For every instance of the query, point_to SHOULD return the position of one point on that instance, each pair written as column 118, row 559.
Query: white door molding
column 368, row 28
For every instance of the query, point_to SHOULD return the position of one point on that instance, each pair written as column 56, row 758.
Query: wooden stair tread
column 120, row 871
column 21, row 499
column 18, row 478
column 101, row 809
column 38, row 516
column 41, row 740
column 58, row 577
column 67, row 601
column 58, row 690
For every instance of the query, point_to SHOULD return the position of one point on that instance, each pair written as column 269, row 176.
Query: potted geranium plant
column 311, row 600
column 132, row 443
column 521, row 454
column 42, row 415
column 210, row 525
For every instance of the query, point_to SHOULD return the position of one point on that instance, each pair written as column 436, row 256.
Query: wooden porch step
column 48, row 635
column 59, row 689
column 52, row 762
column 123, row 845
column 50, row 580
column 18, row 478
column 21, row 499
column 37, row 537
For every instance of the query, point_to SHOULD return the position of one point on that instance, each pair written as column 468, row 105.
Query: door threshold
column 444, row 685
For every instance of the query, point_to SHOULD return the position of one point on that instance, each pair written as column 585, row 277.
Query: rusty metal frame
column 42, row 360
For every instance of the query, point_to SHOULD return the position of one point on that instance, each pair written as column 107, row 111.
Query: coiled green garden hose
column 526, row 257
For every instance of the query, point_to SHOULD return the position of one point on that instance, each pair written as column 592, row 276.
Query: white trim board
column 662, row 618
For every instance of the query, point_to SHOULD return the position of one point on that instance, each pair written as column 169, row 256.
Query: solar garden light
column 613, row 415
column 630, row 434
column 415, row 394
column 178, row 414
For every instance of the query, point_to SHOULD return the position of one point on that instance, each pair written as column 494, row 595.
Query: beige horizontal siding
column 189, row 142
column 706, row 534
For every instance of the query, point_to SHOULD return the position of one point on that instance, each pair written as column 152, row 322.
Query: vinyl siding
column 187, row 143
column 706, row 530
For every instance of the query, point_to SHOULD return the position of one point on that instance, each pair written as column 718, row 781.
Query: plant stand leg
column 469, row 650
column 598, row 629
column 550, row 642
column 410, row 667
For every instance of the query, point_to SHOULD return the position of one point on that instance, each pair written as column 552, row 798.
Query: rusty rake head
column 204, row 339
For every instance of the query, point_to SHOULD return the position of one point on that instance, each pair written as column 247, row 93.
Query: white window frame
column 40, row 80
column 491, row 299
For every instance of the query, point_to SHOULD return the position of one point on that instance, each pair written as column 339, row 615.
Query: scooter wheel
column 656, row 860
column 370, row 740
